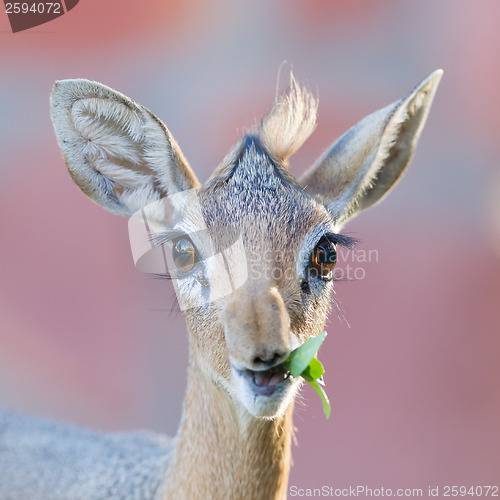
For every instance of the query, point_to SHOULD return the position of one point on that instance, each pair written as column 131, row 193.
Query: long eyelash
column 343, row 240
column 161, row 276
column 158, row 239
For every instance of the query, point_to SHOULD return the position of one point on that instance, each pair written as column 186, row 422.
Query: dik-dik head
column 251, row 251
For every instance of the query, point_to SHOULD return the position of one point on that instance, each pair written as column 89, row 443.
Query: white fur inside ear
column 107, row 128
column 116, row 150
column 112, row 139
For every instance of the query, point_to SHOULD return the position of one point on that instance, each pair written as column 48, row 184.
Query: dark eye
column 184, row 255
column 324, row 258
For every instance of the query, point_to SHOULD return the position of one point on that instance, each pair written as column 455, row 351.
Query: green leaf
column 300, row 358
column 314, row 369
column 302, row 362
column 322, row 394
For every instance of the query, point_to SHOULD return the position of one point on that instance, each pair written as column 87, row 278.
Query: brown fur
column 222, row 453
column 233, row 442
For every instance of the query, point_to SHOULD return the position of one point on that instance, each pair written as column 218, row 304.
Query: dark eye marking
column 323, row 258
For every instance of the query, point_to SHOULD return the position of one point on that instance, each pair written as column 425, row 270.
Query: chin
column 265, row 394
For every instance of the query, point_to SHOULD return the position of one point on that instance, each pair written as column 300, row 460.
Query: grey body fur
column 41, row 460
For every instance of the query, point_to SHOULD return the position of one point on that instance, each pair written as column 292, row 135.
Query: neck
column 223, row 452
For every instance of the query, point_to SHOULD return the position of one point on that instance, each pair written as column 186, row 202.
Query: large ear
column 118, row 153
column 360, row 168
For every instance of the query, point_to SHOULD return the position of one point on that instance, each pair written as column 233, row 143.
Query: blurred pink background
column 415, row 380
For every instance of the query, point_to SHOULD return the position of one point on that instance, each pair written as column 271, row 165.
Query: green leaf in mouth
column 302, row 362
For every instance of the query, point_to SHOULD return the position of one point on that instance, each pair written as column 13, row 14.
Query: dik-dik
column 244, row 314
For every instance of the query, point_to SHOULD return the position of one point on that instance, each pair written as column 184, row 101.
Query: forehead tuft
column 290, row 122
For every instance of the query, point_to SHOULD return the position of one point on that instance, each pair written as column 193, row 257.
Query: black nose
column 269, row 359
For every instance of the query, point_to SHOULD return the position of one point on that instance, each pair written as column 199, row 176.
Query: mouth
column 265, row 393
column 267, row 382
